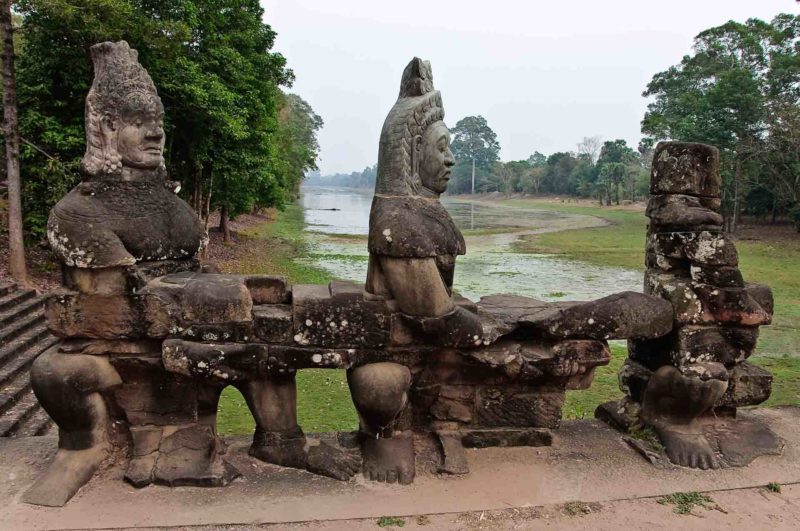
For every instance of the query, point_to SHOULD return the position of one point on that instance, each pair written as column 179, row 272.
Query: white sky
column 543, row 73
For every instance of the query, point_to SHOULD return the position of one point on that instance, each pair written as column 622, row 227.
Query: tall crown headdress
column 120, row 85
column 417, row 107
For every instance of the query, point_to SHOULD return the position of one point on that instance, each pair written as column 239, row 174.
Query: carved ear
column 108, row 124
column 416, row 154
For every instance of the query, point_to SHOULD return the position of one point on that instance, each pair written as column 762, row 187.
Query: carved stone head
column 414, row 157
column 124, row 118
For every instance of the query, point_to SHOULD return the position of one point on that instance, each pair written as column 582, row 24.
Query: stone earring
column 112, row 162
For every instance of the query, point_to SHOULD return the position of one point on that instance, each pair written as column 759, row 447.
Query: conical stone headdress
column 121, row 86
column 417, row 107
column 403, row 223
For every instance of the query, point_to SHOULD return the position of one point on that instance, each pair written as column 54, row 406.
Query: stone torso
column 115, row 223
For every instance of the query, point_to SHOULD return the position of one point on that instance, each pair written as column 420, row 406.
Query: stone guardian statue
column 413, row 244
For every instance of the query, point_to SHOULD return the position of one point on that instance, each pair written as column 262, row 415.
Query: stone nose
column 155, row 132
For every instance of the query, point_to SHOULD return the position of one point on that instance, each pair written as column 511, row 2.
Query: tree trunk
column 207, row 211
column 16, row 244
column 223, row 224
column 473, row 176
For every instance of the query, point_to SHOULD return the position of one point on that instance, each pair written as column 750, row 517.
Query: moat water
column 337, row 224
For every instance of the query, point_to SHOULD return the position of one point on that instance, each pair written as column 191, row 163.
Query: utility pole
column 16, row 244
column 473, row 175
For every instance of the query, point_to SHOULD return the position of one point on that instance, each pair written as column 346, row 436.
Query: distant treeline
column 356, row 179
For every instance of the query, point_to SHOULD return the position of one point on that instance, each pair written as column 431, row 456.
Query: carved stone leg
column 379, row 393
column 68, row 386
column 673, row 401
column 278, row 438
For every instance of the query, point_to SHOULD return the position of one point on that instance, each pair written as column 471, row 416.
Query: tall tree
column 476, row 144
column 16, row 244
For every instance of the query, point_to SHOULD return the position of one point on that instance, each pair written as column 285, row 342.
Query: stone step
column 20, row 412
column 23, row 342
column 23, row 360
column 37, row 424
column 27, row 307
column 6, row 288
column 14, row 389
column 19, row 327
column 11, row 300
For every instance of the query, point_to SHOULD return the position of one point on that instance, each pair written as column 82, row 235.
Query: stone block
column 732, row 306
column 151, row 395
column 686, row 168
column 519, row 406
column 762, row 294
column 678, row 211
column 204, row 298
column 679, row 292
column 633, row 378
column 223, row 362
column 507, row 437
column 676, row 266
column 273, row 322
column 748, row 385
column 722, row 276
column 726, row 345
column 711, row 249
column 342, row 319
column 620, row 316
column 454, row 403
column 267, row 289
column 133, row 315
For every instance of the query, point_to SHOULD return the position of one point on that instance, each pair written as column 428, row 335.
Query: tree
column 16, row 244
column 727, row 93
column 476, row 144
column 590, row 146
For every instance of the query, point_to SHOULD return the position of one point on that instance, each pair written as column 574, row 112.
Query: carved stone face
column 436, row 159
column 140, row 141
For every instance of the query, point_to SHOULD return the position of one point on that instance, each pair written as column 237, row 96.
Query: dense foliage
column 234, row 139
column 739, row 90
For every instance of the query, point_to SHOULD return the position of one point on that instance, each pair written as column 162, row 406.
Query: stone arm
column 420, row 293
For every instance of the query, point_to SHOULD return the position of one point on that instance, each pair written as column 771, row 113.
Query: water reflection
column 490, row 266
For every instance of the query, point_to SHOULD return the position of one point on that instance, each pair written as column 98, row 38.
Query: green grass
column 684, row 502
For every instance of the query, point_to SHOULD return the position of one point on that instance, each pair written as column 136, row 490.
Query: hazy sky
column 543, row 73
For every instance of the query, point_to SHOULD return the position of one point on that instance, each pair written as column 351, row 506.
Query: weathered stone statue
column 413, row 244
column 687, row 384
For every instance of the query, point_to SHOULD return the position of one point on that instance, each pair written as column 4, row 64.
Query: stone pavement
column 588, row 462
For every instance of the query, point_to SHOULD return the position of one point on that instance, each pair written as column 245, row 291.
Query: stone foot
column 686, row 445
column 674, row 400
column 389, row 460
column 332, row 462
column 280, row 448
column 69, row 471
